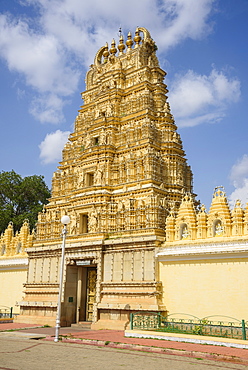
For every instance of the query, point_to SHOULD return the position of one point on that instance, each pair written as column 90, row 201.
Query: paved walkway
column 116, row 338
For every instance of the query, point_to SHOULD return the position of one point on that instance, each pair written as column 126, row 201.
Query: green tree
column 21, row 198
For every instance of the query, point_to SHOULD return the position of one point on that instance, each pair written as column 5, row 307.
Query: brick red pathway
column 118, row 337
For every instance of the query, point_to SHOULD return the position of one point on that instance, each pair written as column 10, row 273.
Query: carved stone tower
column 123, row 170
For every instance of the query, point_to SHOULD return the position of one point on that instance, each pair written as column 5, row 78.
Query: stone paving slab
column 25, row 354
column 15, row 326
column 18, row 334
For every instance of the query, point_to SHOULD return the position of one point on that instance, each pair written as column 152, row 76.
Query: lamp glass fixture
column 65, row 220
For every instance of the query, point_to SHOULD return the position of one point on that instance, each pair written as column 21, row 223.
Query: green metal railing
column 148, row 321
column 6, row 312
column 219, row 326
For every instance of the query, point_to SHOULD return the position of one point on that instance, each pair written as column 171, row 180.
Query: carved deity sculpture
column 97, row 113
column 218, row 229
column 73, row 223
column 93, row 221
column 185, row 232
column 80, row 177
column 98, row 176
column 103, row 137
column 109, row 110
column 120, row 206
column 87, row 142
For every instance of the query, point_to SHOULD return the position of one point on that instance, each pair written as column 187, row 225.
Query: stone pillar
column 79, row 293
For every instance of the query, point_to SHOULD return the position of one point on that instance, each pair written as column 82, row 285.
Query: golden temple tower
column 123, row 170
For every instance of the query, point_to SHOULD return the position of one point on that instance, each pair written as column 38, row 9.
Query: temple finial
column 137, row 37
column 105, row 53
column 129, row 41
column 121, row 45
column 113, row 49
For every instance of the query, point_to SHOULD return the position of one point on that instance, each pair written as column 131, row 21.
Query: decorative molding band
column 126, row 293
column 204, row 251
column 134, row 239
column 37, row 304
column 130, row 283
column 127, row 307
column 14, row 264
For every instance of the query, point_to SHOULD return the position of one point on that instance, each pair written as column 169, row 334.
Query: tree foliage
column 21, row 198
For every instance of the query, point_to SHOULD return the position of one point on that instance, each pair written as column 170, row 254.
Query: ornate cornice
column 131, row 284
column 204, row 251
column 14, row 264
column 37, row 304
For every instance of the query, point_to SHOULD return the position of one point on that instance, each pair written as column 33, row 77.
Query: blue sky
column 46, row 47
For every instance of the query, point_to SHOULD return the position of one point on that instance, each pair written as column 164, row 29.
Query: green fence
column 6, row 312
column 219, row 326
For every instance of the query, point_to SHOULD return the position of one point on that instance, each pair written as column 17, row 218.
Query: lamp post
column 65, row 221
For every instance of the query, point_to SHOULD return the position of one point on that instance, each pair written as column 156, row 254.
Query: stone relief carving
column 93, row 221
column 73, row 223
column 80, row 174
column 87, row 142
column 103, row 137
column 98, row 176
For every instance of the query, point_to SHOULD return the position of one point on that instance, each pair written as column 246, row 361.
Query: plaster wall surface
column 11, row 283
column 206, row 287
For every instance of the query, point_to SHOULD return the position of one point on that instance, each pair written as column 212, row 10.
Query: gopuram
column 123, row 170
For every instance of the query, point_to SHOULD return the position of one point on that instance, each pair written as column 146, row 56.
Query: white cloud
column 239, row 179
column 240, row 193
column 20, row 93
column 47, row 108
column 185, row 19
column 44, row 65
column 50, row 50
column 239, row 171
column 92, row 23
column 196, row 99
column 38, row 57
column 51, row 147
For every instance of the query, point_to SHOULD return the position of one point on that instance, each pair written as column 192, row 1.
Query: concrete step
column 82, row 324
